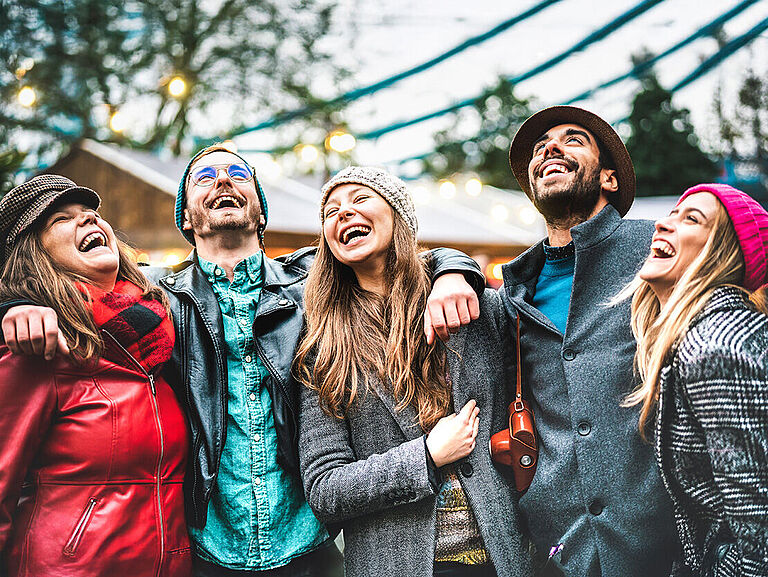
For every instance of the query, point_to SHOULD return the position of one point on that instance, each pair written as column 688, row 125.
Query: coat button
column 283, row 302
column 467, row 469
column 584, row 428
column 170, row 280
column 595, row 507
column 569, row 354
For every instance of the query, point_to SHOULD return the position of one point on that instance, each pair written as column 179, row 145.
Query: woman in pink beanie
column 702, row 355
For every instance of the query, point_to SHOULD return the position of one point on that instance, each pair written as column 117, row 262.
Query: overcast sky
column 389, row 36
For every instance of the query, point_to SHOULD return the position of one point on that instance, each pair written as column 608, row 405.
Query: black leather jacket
column 198, row 371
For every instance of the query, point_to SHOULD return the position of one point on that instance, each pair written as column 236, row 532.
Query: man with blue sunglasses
column 238, row 317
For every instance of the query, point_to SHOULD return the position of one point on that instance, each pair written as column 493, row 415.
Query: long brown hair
column 353, row 334
column 29, row 274
column 659, row 329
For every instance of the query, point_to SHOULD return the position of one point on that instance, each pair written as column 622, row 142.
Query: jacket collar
column 275, row 273
column 596, row 229
column 527, row 266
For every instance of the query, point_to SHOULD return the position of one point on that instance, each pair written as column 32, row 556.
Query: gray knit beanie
column 391, row 188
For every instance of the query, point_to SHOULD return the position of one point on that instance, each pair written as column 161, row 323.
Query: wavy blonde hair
column 352, row 334
column 659, row 329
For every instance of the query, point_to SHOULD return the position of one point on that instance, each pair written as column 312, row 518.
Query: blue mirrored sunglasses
column 206, row 175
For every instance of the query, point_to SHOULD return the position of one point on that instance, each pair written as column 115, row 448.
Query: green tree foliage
column 87, row 59
column 495, row 118
column 744, row 128
column 663, row 145
column 10, row 162
column 742, row 138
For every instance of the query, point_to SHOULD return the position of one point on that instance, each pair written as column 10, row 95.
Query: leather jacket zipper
column 156, row 409
column 77, row 533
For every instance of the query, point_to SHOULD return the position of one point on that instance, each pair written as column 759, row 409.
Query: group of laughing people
column 228, row 416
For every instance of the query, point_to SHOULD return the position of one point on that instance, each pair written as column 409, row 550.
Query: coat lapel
column 406, row 419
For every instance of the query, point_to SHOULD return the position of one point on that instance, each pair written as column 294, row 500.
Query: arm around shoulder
column 449, row 260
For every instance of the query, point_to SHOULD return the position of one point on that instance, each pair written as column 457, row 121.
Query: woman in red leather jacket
column 93, row 444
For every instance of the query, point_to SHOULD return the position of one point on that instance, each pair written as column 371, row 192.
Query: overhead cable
column 706, row 30
column 357, row 93
column 596, row 36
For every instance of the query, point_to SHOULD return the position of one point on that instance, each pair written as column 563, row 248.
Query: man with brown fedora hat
column 597, row 505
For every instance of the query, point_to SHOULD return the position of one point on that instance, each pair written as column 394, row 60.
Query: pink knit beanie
column 751, row 223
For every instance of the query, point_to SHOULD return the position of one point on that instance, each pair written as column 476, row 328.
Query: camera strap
column 519, row 387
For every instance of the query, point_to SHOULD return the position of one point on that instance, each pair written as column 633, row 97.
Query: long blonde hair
column 353, row 334
column 659, row 329
column 31, row 275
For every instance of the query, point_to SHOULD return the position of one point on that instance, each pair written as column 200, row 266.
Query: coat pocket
column 82, row 524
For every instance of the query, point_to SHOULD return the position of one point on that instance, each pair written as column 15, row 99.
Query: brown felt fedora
column 521, row 150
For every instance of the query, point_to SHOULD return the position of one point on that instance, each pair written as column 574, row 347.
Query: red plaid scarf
column 139, row 324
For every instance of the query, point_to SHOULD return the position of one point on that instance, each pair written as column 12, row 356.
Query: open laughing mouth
column 225, row 201
column 93, row 240
column 353, row 234
column 662, row 249
column 555, row 166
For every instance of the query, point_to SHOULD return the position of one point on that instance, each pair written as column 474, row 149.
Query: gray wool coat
column 712, row 438
column 368, row 472
column 597, row 490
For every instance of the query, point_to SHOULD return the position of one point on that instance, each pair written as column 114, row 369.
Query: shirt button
column 584, row 428
column 569, row 354
column 252, row 396
column 256, row 437
column 257, row 481
column 243, row 322
column 247, row 358
column 218, row 272
column 283, row 302
column 170, row 280
column 595, row 507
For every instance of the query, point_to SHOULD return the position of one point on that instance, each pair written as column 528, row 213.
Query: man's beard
column 205, row 219
column 565, row 207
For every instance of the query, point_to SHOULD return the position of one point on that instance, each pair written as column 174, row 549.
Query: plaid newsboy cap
column 25, row 204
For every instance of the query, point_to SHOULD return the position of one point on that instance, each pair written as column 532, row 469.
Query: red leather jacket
column 91, row 468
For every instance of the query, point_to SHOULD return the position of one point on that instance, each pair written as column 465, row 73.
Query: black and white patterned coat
column 712, row 439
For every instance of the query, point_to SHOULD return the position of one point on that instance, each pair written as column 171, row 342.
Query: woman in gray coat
column 383, row 455
column 703, row 356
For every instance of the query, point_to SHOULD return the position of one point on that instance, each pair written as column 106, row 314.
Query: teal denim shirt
column 257, row 517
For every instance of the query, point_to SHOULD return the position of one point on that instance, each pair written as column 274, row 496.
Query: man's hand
column 33, row 330
column 451, row 304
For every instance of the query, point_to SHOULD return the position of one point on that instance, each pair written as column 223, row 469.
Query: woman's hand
column 453, row 437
